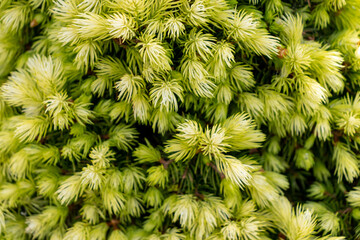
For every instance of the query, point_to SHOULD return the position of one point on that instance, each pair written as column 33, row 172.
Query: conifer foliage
column 179, row 119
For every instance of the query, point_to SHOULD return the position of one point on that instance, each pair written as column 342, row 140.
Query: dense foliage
column 179, row 119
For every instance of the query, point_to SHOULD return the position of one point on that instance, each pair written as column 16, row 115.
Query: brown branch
column 222, row 176
column 33, row 23
column 264, row 59
column 120, row 42
column 191, row 178
column 113, row 223
column 282, row 52
column 165, row 163
column 64, row 172
column 198, row 151
column 337, row 134
column 105, row 136
column 185, row 173
column 326, row 193
column 281, row 236
column 199, row 195
column 253, row 151
column 345, row 211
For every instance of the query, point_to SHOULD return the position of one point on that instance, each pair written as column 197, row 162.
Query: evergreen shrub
column 179, row 119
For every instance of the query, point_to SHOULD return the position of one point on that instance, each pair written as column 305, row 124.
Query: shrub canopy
column 179, row 119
